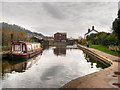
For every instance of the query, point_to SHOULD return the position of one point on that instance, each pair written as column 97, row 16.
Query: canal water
column 54, row 67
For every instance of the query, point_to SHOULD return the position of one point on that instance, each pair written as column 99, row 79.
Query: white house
column 90, row 32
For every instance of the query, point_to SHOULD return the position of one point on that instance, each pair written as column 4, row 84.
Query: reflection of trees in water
column 45, row 47
column 6, row 67
column 10, row 66
column 17, row 65
column 92, row 60
column 60, row 50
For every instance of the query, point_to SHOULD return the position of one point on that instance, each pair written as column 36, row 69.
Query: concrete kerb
column 96, row 55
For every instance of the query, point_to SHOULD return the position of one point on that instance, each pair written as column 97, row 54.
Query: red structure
column 60, row 36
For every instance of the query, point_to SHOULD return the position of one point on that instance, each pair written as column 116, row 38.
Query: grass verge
column 104, row 49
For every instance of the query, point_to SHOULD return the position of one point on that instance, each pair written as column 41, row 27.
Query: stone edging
column 96, row 55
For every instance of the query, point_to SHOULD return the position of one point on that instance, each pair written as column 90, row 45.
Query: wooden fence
column 114, row 48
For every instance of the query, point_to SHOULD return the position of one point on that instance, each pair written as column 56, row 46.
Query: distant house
column 61, row 37
column 48, row 38
column 90, row 31
column 38, row 36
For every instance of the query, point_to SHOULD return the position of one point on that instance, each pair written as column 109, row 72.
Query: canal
column 54, row 67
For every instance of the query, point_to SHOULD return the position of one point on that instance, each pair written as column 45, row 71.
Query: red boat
column 24, row 50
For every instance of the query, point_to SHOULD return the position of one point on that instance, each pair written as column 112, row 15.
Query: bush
column 102, row 38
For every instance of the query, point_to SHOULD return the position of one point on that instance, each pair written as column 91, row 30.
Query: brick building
column 60, row 37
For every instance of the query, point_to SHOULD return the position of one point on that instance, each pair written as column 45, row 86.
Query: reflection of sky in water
column 51, row 71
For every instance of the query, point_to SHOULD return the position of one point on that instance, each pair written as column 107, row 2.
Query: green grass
column 104, row 49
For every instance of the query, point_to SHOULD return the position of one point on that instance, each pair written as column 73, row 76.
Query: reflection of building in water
column 60, row 51
column 18, row 65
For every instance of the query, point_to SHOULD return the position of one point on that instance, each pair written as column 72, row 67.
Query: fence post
column 2, row 38
column 11, row 37
column 18, row 39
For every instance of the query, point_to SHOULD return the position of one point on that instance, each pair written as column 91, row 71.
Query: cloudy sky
column 74, row 18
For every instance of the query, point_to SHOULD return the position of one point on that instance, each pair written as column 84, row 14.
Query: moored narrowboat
column 24, row 50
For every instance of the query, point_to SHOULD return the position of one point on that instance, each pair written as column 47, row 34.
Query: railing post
column 2, row 38
column 11, row 37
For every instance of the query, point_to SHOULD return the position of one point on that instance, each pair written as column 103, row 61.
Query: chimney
column 88, row 30
column 92, row 27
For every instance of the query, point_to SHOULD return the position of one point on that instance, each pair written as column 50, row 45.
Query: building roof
column 61, row 33
column 89, row 32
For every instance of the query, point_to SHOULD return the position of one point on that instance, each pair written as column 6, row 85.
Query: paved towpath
column 101, row 79
column 111, row 57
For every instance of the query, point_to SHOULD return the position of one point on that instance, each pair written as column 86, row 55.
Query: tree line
column 11, row 33
column 103, row 38
column 15, row 28
column 15, row 33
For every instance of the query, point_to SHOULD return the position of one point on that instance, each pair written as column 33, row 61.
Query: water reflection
column 8, row 66
column 60, row 50
column 54, row 68
column 99, row 64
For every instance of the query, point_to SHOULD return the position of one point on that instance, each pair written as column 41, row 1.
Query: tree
column 119, row 13
column 83, row 41
column 116, row 26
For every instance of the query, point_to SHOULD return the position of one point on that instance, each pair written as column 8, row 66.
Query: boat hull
column 27, row 56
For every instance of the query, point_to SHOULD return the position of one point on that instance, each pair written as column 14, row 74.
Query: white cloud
column 59, row 0
column 73, row 18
